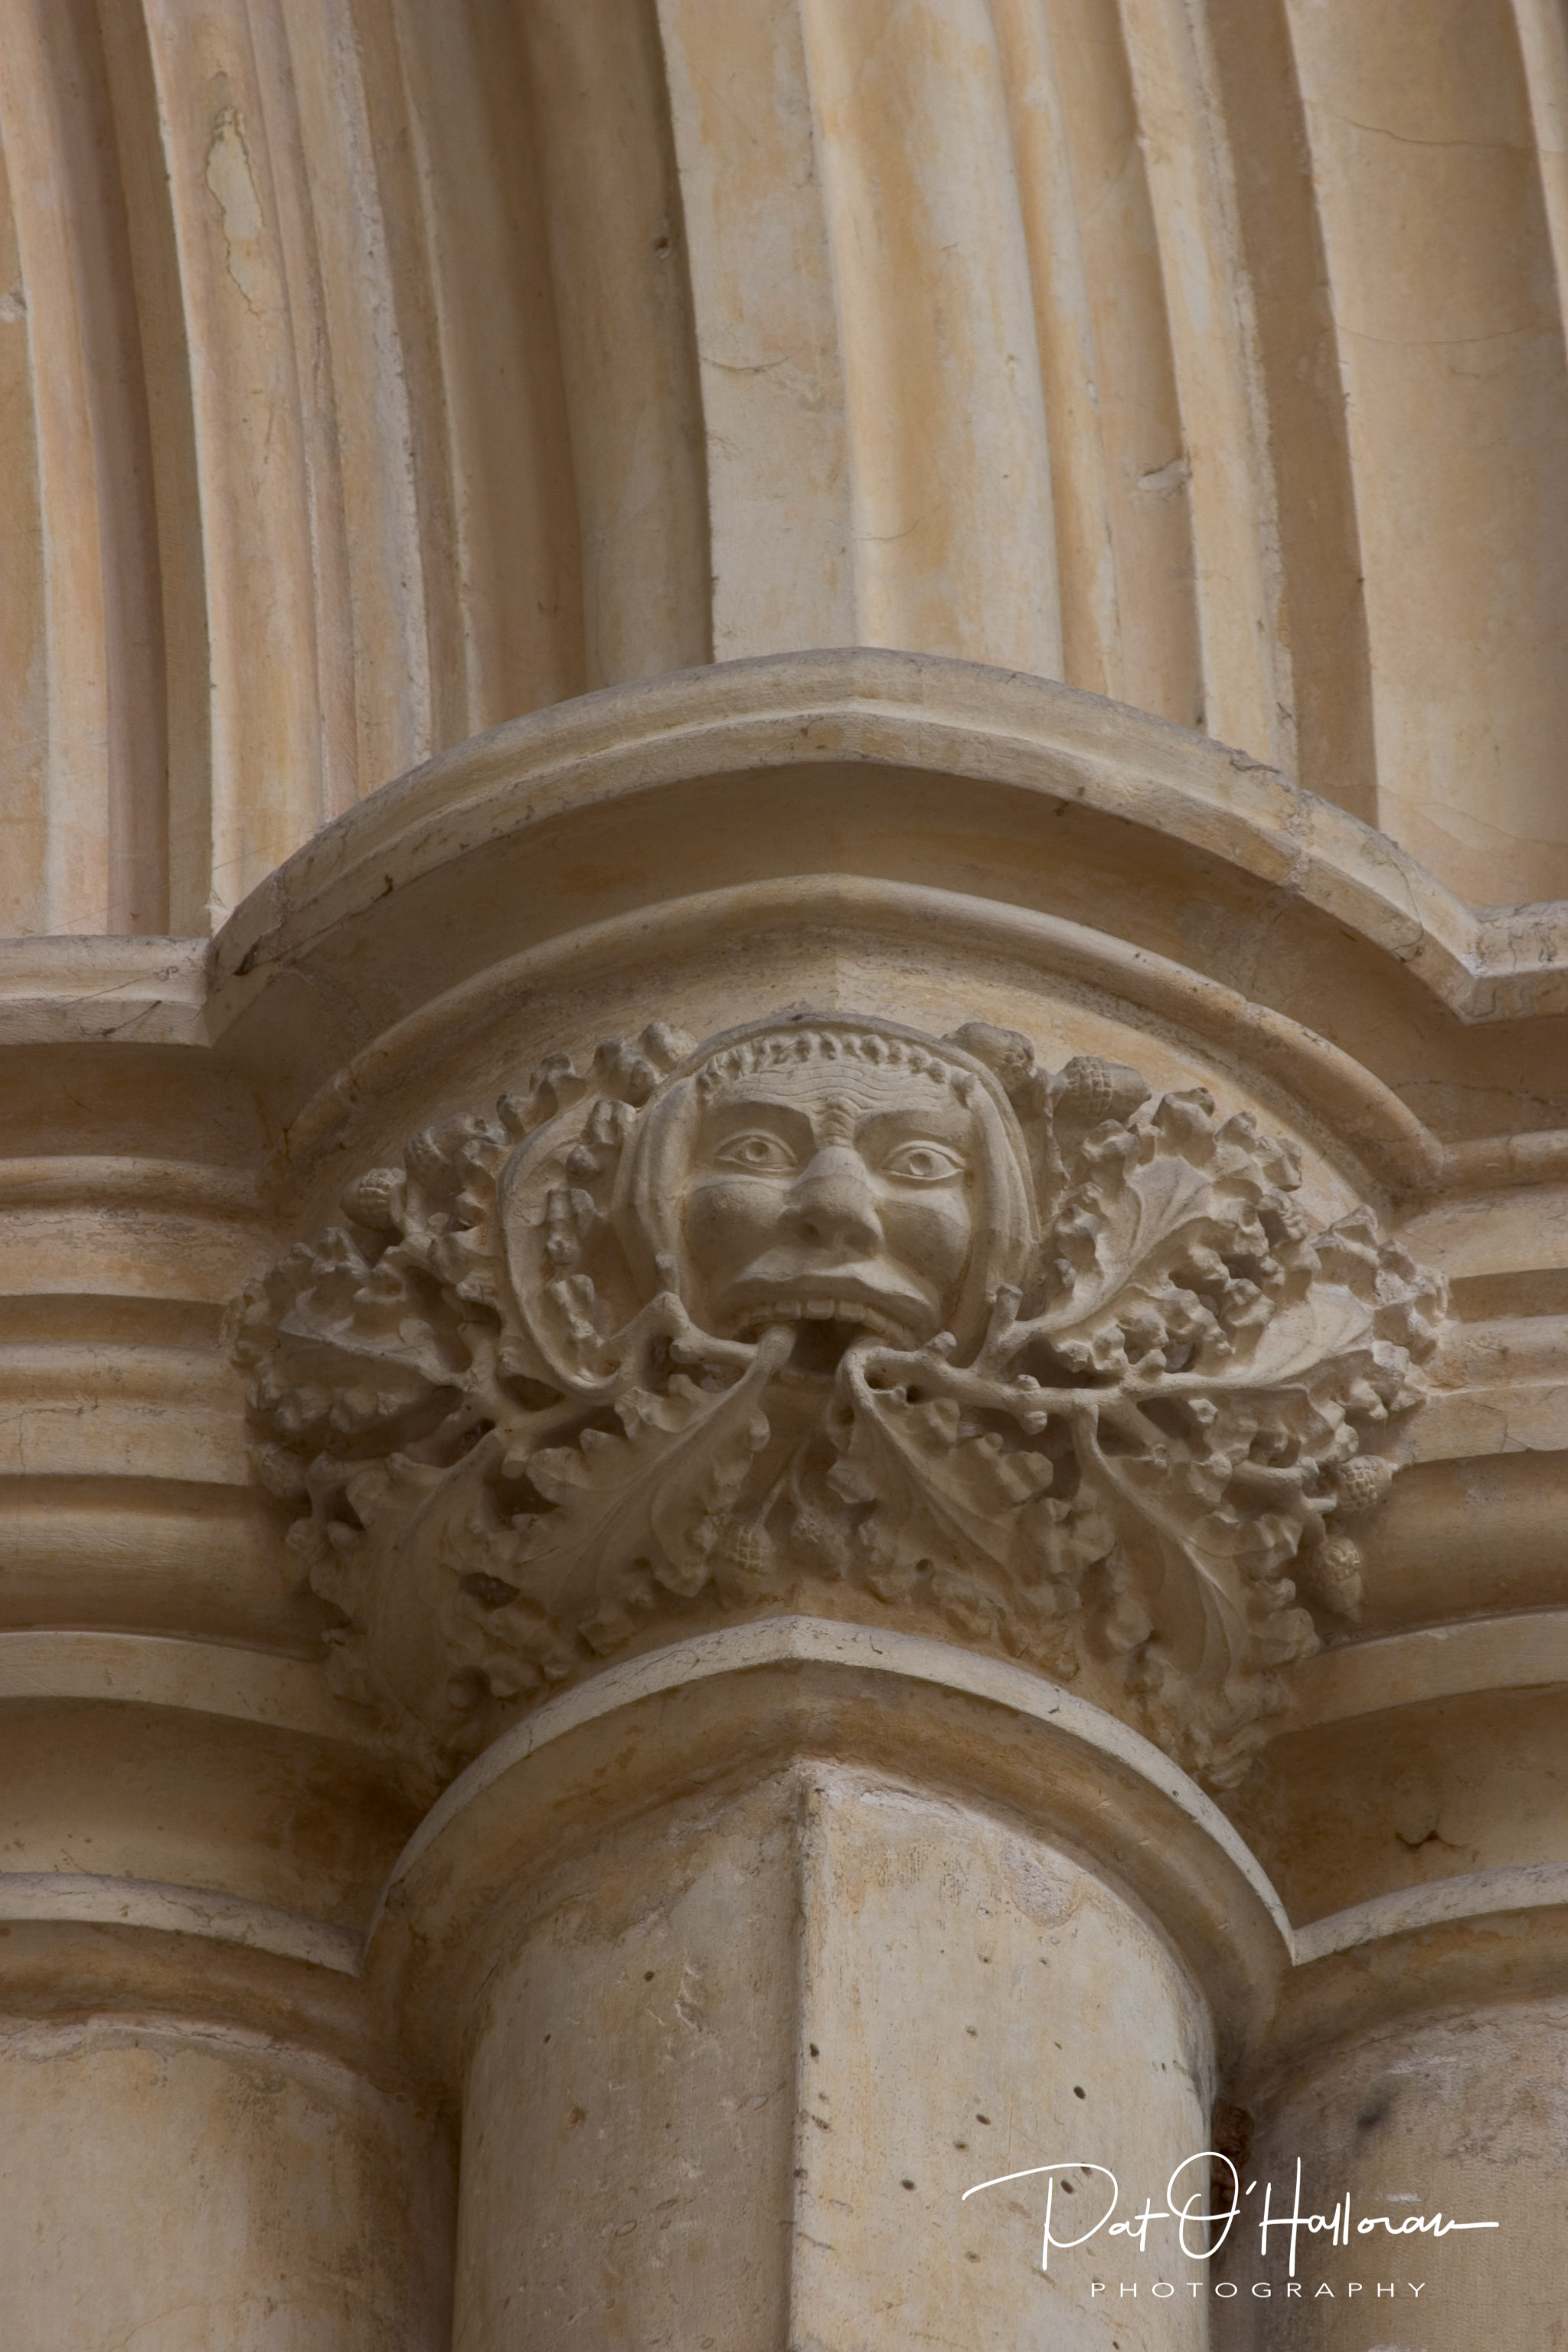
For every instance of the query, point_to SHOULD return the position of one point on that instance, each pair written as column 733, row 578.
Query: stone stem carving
column 1056, row 1361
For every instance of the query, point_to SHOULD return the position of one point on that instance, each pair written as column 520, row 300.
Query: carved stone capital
column 824, row 1307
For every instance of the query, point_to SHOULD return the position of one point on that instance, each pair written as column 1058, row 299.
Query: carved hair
column 790, row 1048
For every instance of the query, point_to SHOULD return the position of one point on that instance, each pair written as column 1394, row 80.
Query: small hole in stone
column 1078, row 2092
column 907, row 2184
column 961, row 2143
column 972, row 2258
column 980, row 2118
column 814, row 2051
column 647, row 1976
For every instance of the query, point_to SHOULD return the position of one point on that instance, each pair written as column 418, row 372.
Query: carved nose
column 831, row 1206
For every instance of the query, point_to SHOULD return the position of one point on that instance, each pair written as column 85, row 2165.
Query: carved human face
column 842, row 1193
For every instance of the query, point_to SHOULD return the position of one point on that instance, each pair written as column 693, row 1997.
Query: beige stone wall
column 1024, row 528
column 375, row 374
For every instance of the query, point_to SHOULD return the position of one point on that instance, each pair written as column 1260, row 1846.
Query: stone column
column 179, row 2182
column 1402, row 2128
column 753, row 1956
column 890, row 1451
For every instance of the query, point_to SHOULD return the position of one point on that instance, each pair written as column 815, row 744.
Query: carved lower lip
column 826, row 1307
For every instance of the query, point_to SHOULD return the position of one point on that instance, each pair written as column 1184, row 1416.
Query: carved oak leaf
column 638, row 1343
column 650, row 1499
column 1173, row 1245
column 935, row 1503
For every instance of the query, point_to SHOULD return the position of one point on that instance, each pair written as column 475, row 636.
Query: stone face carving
column 826, row 1302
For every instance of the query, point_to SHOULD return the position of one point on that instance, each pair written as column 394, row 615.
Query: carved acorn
column 606, row 1295
column 375, row 1199
column 1087, row 1091
column 1335, row 1575
column 744, row 1557
column 1362, row 1483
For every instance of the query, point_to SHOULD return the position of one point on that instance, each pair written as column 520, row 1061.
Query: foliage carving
column 1055, row 1363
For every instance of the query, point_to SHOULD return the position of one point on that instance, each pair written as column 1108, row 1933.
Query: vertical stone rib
column 1298, row 352
column 371, row 583
column 954, row 537
column 23, row 746
column 623, row 301
column 1446, row 291
column 177, row 593
column 1080, row 490
column 499, row 514
column 1119, row 478
column 1542, row 33
column 1248, row 696
column 249, row 418
column 767, row 336
column 98, row 865
column 321, row 412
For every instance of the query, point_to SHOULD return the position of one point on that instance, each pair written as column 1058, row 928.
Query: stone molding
column 1035, row 738
column 69, row 1902
column 1036, row 1359
column 1115, row 822
column 749, row 1698
column 85, row 1898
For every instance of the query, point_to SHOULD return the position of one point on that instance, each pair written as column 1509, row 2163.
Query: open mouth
column 827, row 1307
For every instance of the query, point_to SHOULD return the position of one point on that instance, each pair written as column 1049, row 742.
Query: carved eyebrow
column 735, row 1112
column 911, row 1121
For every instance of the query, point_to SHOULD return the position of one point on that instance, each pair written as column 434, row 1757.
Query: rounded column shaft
column 1457, row 2119
column 174, row 2185
column 793, row 1982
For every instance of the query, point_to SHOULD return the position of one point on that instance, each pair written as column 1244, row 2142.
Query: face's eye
column 923, row 1163
column 758, row 1152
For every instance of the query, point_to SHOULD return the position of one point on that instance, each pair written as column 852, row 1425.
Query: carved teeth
column 826, row 1310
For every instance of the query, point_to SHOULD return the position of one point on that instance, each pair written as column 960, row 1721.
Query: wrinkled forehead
column 840, row 1093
